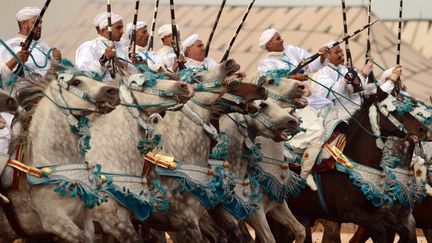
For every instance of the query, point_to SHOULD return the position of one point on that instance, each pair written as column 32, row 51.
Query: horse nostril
column 292, row 123
column 11, row 101
column 229, row 63
column 111, row 91
column 301, row 87
column 184, row 86
column 261, row 90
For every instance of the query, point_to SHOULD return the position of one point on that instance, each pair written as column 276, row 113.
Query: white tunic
column 167, row 56
column 208, row 63
column 5, row 133
column 88, row 54
column 287, row 59
column 40, row 63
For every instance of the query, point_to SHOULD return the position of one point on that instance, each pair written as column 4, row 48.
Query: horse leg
column 428, row 235
column 360, row 236
column 283, row 215
column 89, row 229
column 331, row 231
column 115, row 220
column 258, row 221
column 188, row 223
column 64, row 228
column 211, row 229
column 406, row 229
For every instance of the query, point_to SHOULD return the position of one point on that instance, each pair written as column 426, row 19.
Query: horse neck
column 270, row 148
column 115, row 137
column 51, row 137
column 235, row 145
column 183, row 139
column 360, row 145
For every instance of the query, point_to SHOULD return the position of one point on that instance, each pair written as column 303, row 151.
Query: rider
column 39, row 52
column 285, row 57
column 281, row 57
column 150, row 58
column 167, row 54
column 194, row 50
column 95, row 56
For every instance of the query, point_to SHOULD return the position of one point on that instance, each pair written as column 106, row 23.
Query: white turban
column 114, row 19
column 166, row 30
column 190, row 41
column 99, row 18
column 27, row 13
column 266, row 36
column 139, row 25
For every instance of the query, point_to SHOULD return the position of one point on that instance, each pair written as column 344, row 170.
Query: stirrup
column 338, row 155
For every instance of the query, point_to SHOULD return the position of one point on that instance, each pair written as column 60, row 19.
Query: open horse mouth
column 105, row 107
column 281, row 135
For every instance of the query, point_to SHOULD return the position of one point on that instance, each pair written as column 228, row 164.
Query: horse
column 285, row 92
column 346, row 202
column 421, row 209
column 185, row 138
column 54, row 108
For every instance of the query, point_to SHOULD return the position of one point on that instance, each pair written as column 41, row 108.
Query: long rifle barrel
column 312, row 58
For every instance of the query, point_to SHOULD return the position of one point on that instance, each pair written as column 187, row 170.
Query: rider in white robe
column 281, row 57
column 94, row 55
column 37, row 59
column 194, row 50
column 150, row 58
column 166, row 52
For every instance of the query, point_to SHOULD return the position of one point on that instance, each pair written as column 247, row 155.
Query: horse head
column 272, row 121
column 240, row 98
column 220, row 71
column 7, row 103
column 154, row 95
column 72, row 91
column 404, row 117
column 284, row 91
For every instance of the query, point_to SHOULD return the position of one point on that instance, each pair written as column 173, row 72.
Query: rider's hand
column 396, row 73
column 110, row 52
column 367, row 68
column 56, row 54
column 23, row 55
column 323, row 51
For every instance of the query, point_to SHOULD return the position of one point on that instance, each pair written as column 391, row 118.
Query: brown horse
column 346, row 202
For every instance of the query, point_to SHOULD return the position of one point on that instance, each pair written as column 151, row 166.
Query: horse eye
column 75, row 82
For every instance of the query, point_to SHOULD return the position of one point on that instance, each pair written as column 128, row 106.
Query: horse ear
column 430, row 98
column 380, row 94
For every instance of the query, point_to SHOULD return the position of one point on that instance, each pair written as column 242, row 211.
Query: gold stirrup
column 338, row 155
column 163, row 161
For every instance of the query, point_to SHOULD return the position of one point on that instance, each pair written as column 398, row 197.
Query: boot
column 309, row 156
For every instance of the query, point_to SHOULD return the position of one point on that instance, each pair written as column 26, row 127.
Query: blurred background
column 308, row 24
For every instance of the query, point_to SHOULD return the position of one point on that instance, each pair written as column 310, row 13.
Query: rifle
column 308, row 60
column 132, row 45
column 175, row 40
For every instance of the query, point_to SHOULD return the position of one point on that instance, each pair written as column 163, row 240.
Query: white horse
column 118, row 150
column 286, row 93
column 115, row 138
column 44, row 135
